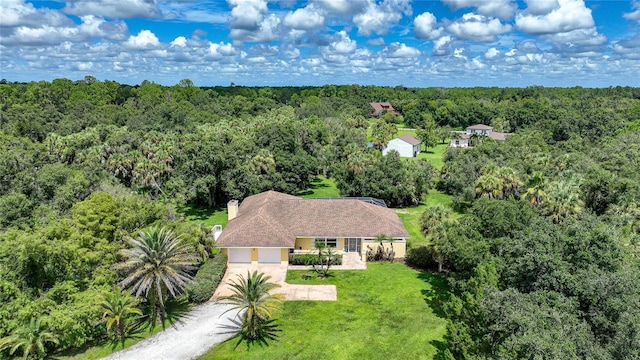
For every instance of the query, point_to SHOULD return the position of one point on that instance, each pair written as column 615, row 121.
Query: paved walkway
column 202, row 329
column 278, row 274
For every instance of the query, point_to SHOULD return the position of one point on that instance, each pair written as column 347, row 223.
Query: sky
column 419, row 43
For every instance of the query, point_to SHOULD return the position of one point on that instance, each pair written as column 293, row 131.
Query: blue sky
column 315, row 42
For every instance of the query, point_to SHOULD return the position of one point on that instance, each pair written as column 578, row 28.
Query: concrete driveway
column 278, row 274
column 203, row 328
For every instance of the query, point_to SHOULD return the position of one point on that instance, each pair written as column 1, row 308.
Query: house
column 460, row 140
column 464, row 139
column 379, row 108
column 269, row 226
column 405, row 145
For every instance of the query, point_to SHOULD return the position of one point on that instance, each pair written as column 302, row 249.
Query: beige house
column 269, row 226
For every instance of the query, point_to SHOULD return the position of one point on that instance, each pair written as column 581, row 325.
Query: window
column 328, row 242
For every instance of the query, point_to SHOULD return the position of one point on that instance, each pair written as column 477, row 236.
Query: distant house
column 379, row 108
column 405, row 145
column 464, row 139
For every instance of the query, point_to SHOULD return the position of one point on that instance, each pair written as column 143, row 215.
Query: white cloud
column 502, row 9
column 220, row 50
column 425, row 26
column 376, row 42
column 578, row 37
column 628, row 48
column 568, row 16
column 491, row 53
column 342, row 7
column 634, row 15
column 14, row 13
column 97, row 27
column 399, row 50
column 247, row 14
column 478, row 28
column 378, row 18
column 114, row 8
column 541, row 7
column 250, row 21
column 304, row 18
column 342, row 45
column 440, row 46
column 180, row 41
column 459, row 53
column 267, row 31
column 145, row 40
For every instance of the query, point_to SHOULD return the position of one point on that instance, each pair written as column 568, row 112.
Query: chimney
column 232, row 209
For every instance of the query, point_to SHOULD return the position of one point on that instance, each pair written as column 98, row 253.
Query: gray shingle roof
column 479, row 127
column 273, row 219
column 410, row 139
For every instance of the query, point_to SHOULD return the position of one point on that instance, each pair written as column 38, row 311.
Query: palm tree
column 31, row 338
column 432, row 217
column 563, row 201
column 251, row 297
column 118, row 308
column 510, row 182
column 488, row 186
column 535, row 193
column 157, row 265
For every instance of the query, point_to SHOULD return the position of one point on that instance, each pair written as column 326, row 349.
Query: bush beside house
column 207, row 279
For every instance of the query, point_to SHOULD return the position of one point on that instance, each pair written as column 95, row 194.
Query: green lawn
column 321, row 187
column 411, row 215
column 381, row 313
column 434, row 155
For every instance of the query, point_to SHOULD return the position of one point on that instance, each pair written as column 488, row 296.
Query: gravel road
column 203, row 328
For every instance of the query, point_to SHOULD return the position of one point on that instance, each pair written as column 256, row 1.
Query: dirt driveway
column 278, row 274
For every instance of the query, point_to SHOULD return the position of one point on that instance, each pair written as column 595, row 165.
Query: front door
column 352, row 245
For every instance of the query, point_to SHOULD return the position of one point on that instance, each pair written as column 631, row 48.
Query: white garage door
column 269, row 256
column 240, row 255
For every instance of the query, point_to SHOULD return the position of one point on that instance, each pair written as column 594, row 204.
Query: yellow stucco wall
column 284, row 256
column 225, row 251
column 254, row 255
column 304, row 243
column 307, row 244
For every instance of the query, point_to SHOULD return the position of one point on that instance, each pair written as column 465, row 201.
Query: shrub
column 305, row 259
column 207, row 279
column 421, row 257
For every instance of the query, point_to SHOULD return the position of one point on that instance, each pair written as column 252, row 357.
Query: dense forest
column 541, row 247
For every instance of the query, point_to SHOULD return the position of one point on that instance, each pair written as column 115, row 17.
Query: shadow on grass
column 197, row 213
column 437, row 294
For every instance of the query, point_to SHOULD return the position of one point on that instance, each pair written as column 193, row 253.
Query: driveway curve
column 199, row 331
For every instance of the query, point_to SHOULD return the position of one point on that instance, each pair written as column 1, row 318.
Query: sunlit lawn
column 411, row 215
column 382, row 313
column 321, row 187
column 434, row 155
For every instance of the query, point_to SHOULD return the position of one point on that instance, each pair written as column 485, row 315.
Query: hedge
column 207, row 279
column 306, row 259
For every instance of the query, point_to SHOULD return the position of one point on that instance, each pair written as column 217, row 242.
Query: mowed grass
column 434, row 155
column 205, row 215
column 383, row 312
column 410, row 216
column 321, row 187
